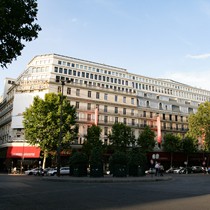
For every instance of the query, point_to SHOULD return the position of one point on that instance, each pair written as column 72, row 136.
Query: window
column 89, row 117
column 77, row 92
column 65, row 71
column 105, row 131
column 60, row 70
column 124, row 99
column 124, row 120
column 105, row 108
column 151, row 114
column 105, row 119
column 74, row 73
column 89, row 106
column 132, row 112
column 77, row 104
column 144, row 114
column 164, row 116
column 132, row 100
column 70, row 72
column 56, row 69
column 124, row 110
column 116, row 119
column 59, row 89
column 115, row 98
column 68, row 91
column 116, row 110
column 89, row 94
column 133, row 121
column 106, row 96
column 59, row 62
column 97, row 95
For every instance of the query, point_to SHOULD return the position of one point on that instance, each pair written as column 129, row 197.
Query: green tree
column 17, row 25
column 136, row 162
column 146, row 140
column 199, row 125
column 42, row 123
column 118, row 164
column 92, row 140
column 171, row 144
column 188, row 145
column 121, row 136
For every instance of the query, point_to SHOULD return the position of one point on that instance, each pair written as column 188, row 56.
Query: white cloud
column 196, row 79
column 201, row 56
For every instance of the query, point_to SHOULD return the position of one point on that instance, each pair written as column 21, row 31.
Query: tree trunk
column 171, row 159
column 44, row 159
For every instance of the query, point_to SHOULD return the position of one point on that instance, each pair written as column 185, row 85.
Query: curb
column 105, row 180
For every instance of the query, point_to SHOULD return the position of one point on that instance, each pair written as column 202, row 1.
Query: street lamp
column 63, row 82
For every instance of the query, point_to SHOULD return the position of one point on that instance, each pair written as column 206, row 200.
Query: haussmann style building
column 102, row 94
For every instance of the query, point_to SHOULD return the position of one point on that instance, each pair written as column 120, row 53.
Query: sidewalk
column 106, row 179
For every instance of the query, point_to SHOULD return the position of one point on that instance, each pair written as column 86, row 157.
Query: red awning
column 23, row 152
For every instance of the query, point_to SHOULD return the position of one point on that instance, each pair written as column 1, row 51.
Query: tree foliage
column 189, row 145
column 17, row 25
column 199, row 125
column 171, row 143
column 121, row 136
column 146, row 140
column 92, row 140
column 42, row 122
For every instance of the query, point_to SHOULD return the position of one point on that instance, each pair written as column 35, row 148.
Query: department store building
column 102, row 94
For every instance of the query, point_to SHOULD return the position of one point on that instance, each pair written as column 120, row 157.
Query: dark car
column 197, row 169
column 186, row 170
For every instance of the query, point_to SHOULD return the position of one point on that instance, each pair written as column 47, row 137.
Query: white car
column 31, row 171
column 176, row 171
column 63, row 171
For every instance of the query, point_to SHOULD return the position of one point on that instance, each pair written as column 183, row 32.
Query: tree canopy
column 121, row 136
column 199, row 125
column 146, row 140
column 17, row 25
column 42, row 122
column 92, row 140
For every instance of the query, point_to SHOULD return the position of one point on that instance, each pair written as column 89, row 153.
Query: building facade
column 102, row 94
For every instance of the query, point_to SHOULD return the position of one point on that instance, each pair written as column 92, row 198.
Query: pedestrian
column 157, row 166
column 161, row 170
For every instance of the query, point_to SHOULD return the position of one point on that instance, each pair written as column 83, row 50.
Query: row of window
column 141, row 79
column 97, row 95
column 135, row 85
column 90, row 76
column 133, row 123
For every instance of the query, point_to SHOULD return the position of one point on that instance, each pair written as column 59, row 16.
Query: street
column 190, row 191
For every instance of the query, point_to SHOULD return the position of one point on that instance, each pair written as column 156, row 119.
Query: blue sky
column 156, row 38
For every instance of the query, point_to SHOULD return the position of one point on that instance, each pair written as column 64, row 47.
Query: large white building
column 116, row 94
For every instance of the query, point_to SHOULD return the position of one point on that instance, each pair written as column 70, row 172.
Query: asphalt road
column 34, row 193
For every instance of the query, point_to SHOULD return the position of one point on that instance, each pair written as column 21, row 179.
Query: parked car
column 150, row 171
column 186, row 170
column 197, row 169
column 170, row 170
column 38, row 172
column 177, row 170
column 31, row 171
column 63, row 171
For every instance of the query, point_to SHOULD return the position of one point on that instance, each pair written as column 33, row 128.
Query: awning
column 23, row 152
